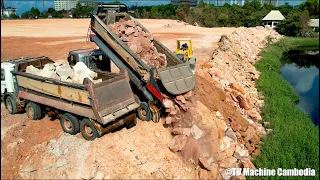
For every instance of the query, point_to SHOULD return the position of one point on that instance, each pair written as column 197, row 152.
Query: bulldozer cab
column 184, row 49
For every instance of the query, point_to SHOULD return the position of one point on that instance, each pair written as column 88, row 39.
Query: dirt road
column 40, row 149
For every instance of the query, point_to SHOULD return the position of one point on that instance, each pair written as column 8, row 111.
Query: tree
column 25, row 15
column 312, row 6
column 13, row 16
column 183, row 11
column 34, row 13
column 296, row 24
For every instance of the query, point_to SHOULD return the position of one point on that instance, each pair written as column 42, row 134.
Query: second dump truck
column 148, row 83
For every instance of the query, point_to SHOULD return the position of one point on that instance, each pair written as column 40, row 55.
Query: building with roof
column 192, row 3
column 65, row 4
column 314, row 24
column 7, row 11
column 273, row 18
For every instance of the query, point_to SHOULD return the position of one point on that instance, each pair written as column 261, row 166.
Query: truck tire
column 69, row 123
column 33, row 111
column 88, row 130
column 132, row 123
column 144, row 113
column 11, row 105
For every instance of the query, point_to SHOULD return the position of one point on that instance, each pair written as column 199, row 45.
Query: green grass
column 294, row 142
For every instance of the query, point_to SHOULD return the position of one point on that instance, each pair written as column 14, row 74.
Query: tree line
column 248, row 15
column 34, row 13
column 207, row 15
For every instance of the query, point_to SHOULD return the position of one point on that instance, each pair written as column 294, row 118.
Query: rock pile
column 139, row 42
column 232, row 66
column 62, row 71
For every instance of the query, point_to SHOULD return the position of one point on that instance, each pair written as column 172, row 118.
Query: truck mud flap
column 177, row 79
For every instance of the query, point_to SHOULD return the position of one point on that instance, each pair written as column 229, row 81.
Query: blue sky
column 25, row 5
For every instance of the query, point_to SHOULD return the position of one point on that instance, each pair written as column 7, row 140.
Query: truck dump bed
column 176, row 78
column 104, row 101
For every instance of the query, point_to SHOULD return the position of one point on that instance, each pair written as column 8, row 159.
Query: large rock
column 247, row 163
column 226, row 142
column 240, row 153
column 238, row 88
column 196, row 132
column 229, row 132
column 228, row 162
column 181, row 131
column 178, row 142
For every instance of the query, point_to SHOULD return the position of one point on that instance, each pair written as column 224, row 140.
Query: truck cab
column 7, row 79
column 93, row 58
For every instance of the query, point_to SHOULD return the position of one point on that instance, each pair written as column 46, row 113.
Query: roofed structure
column 274, row 15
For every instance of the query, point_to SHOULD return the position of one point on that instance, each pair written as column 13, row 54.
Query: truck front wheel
column 69, row 124
column 88, row 130
column 143, row 111
column 33, row 111
column 11, row 105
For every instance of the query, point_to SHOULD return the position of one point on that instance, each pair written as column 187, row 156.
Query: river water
column 301, row 70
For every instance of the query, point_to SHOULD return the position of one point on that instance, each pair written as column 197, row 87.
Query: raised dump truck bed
column 177, row 78
column 103, row 102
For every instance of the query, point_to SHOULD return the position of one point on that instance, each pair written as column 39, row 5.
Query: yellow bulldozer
column 184, row 52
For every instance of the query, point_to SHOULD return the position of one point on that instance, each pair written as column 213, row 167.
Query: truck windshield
column 2, row 75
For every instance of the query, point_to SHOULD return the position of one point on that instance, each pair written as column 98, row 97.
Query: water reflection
column 302, row 72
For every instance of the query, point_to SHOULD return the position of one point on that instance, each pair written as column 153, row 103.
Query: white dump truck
column 92, row 108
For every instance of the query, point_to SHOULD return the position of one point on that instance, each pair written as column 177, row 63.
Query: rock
column 133, row 48
column 181, row 98
column 266, row 124
column 228, row 162
column 213, row 134
column 93, row 172
column 248, row 134
column 167, row 103
column 203, row 174
column 32, row 70
column 226, row 142
column 173, row 111
column 230, row 151
column 99, row 175
column 206, row 163
column 255, row 139
column 130, row 23
column 61, row 162
column 256, row 153
column 235, row 86
column 129, row 30
column 219, row 115
column 151, row 167
column 168, row 120
column 196, row 132
column 157, row 134
column 269, row 131
column 181, row 131
column 63, row 71
column 229, row 132
column 187, row 96
column 243, row 102
column 177, row 143
column 247, row 163
column 240, row 153
column 27, row 170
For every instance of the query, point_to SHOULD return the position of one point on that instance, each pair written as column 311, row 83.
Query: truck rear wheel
column 69, row 124
column 144, row 112
column 88, row 130
column 11, row 105
column 33, row 111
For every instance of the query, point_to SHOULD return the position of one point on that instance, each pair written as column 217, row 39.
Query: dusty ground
column 40, row 149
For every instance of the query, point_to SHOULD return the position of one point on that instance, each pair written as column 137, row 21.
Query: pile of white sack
column 62, row 71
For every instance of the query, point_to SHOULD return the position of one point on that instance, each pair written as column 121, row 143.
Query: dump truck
column 91, row 108
column 148, row 83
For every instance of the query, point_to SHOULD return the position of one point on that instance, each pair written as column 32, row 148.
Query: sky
column 25, row 5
